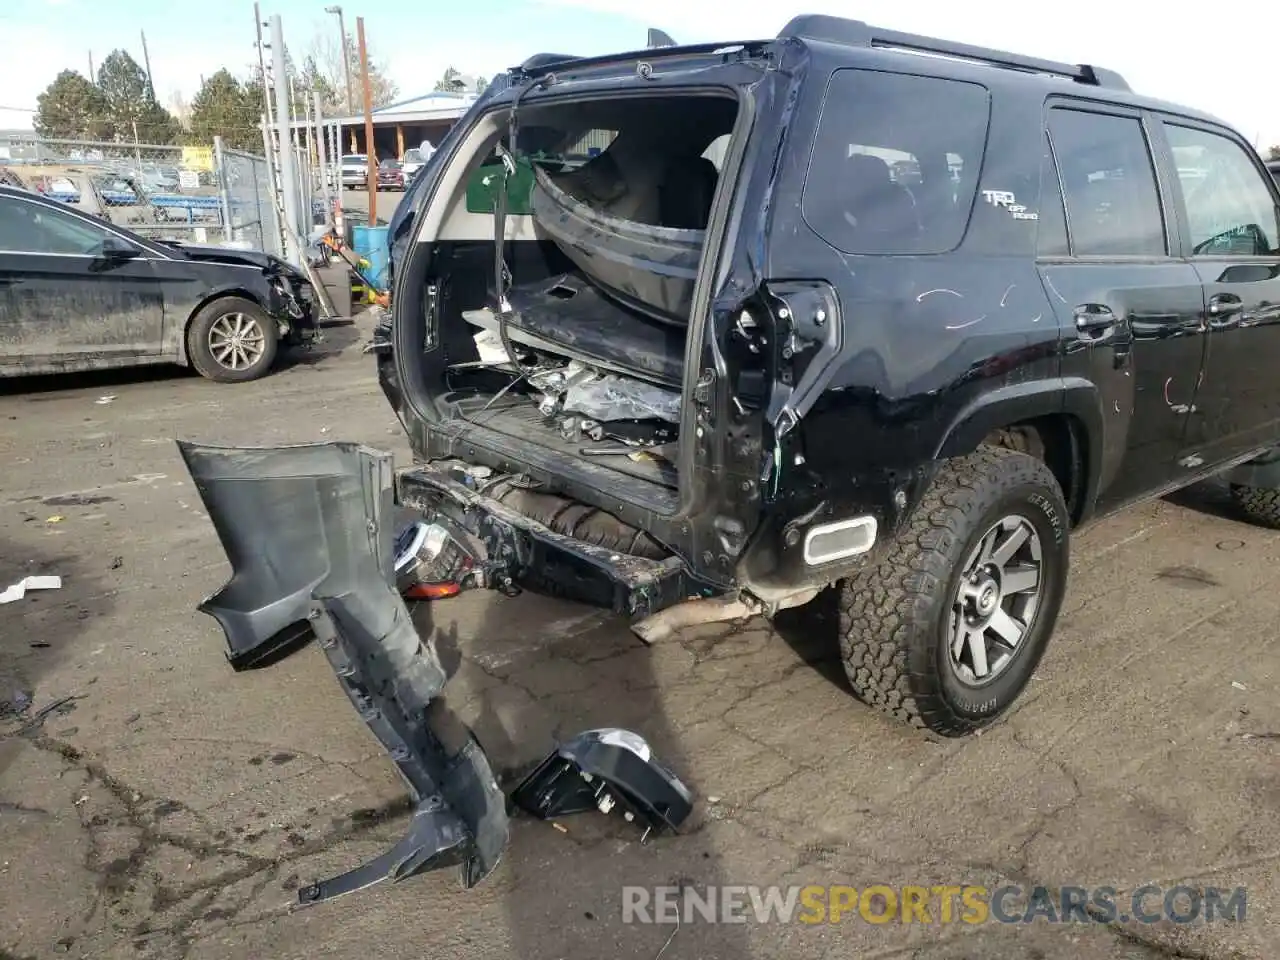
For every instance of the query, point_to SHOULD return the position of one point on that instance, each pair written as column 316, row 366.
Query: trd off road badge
column 1005, row 199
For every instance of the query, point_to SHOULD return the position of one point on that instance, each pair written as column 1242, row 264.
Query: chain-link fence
column 248, row 202
column 197, row 194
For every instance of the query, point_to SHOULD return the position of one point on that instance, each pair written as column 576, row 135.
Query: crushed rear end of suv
column 700, row 332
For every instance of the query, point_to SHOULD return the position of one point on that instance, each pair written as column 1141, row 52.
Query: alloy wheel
column 237, row 341
column 1000, row 589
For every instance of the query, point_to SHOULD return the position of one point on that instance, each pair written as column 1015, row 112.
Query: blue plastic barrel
column 371, row 244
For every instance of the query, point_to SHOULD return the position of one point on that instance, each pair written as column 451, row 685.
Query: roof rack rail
column 858, row 33
column 540, row 64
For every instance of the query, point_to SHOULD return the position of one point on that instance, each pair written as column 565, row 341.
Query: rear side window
column 1229, row 206
column 895, row 162
column 1108, row 185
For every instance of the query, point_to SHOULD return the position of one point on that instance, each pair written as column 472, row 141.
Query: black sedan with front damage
column 78, row 293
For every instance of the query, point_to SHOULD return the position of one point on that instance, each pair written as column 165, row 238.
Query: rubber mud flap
column 308, row 532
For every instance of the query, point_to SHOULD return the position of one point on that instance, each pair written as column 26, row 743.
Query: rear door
column 64, row 304
column 1130, row 308
column 1231, row 217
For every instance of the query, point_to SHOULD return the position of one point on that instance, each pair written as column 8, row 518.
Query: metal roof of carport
column 425, row 109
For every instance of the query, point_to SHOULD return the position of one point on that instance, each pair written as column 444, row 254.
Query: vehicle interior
column 574, row 338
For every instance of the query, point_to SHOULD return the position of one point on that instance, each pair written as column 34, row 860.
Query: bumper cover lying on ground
column 307, row 530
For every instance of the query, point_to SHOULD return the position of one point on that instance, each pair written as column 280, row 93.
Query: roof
column 438, row 105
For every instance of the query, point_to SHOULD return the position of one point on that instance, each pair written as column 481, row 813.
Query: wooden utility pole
column 370, row 149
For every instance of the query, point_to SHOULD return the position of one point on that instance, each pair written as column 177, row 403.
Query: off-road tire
column 201, row 356
column 894, row 612
column 1260, row 505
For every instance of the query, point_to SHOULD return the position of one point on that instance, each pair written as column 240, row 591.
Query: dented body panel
column 66, row 311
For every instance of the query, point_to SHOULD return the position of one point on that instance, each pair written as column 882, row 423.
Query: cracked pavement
column 172, row 808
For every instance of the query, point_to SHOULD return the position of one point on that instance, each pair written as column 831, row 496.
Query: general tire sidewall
column 1043, row 508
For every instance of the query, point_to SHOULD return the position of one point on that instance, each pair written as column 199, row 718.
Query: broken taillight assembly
column 430, row 564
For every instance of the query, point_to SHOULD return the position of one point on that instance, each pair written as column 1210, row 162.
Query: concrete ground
column 171, row 808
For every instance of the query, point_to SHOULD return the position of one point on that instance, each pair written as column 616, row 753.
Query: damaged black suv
column 703, row 331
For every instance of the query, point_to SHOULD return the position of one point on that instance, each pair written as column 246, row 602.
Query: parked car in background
column 78, row 293
column 390, row 175
column 412, row 161
column 355, row 170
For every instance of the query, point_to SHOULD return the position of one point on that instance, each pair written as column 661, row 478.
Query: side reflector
column 840, row 540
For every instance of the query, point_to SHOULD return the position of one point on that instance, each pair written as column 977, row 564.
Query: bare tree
column 325, row 53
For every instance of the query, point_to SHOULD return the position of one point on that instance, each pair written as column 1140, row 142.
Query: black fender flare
column 1071, row 396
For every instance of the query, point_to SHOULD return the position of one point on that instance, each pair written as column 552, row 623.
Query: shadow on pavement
column 48, row 386
column 813, row 632
column 1210, row 497
column 548, row 669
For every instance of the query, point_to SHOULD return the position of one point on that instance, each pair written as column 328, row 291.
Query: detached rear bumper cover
column 307, row 530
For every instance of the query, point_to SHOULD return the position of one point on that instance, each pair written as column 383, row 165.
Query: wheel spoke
column 1009, row 629
column 978, row 651
column 1004, row 553
column 1021, row 579
column 222, row 351
column 988, row 544
column 959, row 634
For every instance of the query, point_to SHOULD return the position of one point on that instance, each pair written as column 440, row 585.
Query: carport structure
column 400, row 126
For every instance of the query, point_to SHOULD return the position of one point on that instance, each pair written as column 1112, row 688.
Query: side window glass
column 1108, row 185
column 31, row 228
column 895, row 162
column 1229, row 207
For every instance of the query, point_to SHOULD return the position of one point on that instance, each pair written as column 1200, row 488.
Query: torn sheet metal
column 16, row 591
column 307, row 530
column 603, row 770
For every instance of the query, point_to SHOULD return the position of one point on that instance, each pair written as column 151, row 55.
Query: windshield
column 355, row 158
column 413, row 155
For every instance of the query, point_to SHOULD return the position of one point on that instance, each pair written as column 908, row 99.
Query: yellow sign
column 198, row 158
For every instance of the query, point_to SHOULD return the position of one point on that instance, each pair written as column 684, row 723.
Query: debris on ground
column 16, row 704
column 1238, row 685
column 16, row 591
column 103, row 401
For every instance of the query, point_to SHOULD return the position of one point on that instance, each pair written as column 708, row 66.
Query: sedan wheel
column 232, row 340
column 236, row 341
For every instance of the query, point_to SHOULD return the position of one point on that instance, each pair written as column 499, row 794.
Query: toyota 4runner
column 703, row 331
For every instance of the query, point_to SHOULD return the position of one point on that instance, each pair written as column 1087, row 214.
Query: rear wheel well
column 1058, row 442
column 195, row 312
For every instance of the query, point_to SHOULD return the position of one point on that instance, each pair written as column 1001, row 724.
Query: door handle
column 1223, row 306
column 1095, row 319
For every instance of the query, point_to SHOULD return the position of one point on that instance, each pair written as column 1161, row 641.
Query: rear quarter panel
column 926, row 338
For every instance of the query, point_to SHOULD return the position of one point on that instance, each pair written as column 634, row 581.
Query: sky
column 1224, row 64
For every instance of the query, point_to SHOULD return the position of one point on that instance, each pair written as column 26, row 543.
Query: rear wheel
column 232, row 340
column 944, row 629
column 1261, row 505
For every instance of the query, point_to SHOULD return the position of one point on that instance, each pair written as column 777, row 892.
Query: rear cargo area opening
column 574, row 339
